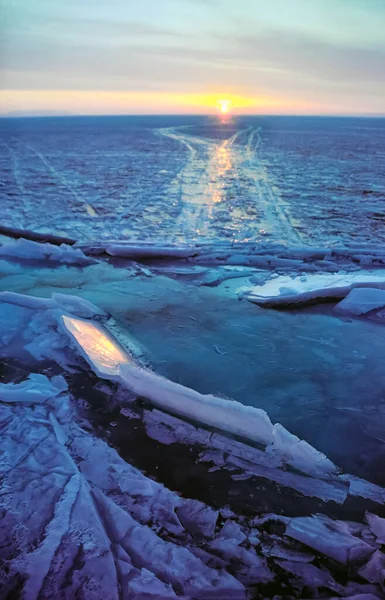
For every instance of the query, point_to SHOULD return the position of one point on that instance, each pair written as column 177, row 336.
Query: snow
column 361, row 301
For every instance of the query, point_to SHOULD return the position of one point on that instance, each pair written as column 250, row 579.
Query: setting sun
column 224, row 106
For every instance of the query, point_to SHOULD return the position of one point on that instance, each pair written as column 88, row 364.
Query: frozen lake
column 162, row 435
column 301, row 180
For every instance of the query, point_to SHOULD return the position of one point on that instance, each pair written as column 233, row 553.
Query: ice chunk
column 310, row 575
column 34, row 390
column 331, row 538
column 146, row 586
column 255, row 568
column 180, row 567
column 231, row 530
column 198, row 519
column 138, row 250
column 374, row 570
column 25, row 301
column 312, row 287
column 110, row 360
column 377, row 526
column 362, row 300
column 299, row 453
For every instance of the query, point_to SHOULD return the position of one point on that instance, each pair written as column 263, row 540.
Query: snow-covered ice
column 287, row 290
column 362, row 300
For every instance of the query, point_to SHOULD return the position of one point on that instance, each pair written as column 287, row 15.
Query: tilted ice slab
column 286, row 290
column 109, row 360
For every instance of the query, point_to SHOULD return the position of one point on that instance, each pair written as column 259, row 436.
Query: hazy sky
column 181, row 56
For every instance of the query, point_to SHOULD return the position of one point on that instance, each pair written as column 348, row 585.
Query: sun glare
column 224, row 106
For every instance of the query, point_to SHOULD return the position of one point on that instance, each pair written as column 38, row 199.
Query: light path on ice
column 111, row 361
column 285, row 289
column 202, row 188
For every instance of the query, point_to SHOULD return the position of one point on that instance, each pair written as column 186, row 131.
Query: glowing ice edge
column 110, row 361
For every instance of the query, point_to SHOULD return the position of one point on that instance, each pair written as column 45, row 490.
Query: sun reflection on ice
column 100, row 348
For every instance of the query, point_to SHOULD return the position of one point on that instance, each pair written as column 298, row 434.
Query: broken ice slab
column 286, row 290
column 137, row 250
column 110, row 360
column 362, row 300
column 331, row 538
column 34, row 390
column 98, row 346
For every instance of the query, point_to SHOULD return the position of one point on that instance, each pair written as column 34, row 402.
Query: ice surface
column 245, row 179
column 69, row 503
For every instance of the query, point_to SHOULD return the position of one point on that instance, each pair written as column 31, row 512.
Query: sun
column 224, row 106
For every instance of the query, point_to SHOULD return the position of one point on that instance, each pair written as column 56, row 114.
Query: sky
column 184, row 56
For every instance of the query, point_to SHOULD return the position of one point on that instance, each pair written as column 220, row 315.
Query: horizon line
column 229, row 115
